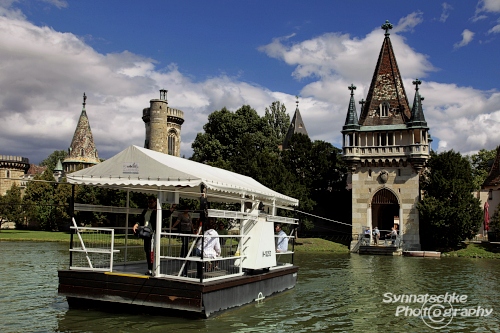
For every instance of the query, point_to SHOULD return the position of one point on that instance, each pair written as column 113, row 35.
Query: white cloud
column 43, row 74
column 446, row 11
column 467, row 37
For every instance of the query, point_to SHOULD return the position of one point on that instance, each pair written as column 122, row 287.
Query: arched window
column 172, row 137
column 7, row 173
column 384, row 109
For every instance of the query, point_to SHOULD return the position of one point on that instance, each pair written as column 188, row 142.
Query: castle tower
column 12, row 169
column 386, row 150
column 296, row 126
column 163, row 126
column 82, row 153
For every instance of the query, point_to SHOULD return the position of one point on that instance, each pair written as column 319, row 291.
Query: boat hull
column 103, row 289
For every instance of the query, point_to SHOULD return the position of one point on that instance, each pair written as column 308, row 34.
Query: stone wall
column 403, row 182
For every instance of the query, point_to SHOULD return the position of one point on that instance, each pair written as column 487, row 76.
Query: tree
column 449, row 212
column 278, row 120
column 39, row 201
column 51, row 161
column 11, row 208
column 481, row 165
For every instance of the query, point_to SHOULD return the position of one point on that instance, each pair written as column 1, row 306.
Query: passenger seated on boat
column 222, row 231
column 211, row 246
column 148, row 218
column 282, row 240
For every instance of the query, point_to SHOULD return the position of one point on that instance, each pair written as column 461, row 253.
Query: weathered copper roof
column 82, row 149
column 417, row 114
column 493, row 178
column 351, row 120
column 386, row 87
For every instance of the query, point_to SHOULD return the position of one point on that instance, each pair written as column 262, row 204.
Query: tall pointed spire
column 417, row 113
column 296, row 126
column 82, row 152
column 351, row 120
column 386, row 103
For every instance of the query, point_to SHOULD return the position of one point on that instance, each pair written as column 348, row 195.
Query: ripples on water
column 335, row 293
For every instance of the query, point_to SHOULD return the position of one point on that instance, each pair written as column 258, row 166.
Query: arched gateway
column 385, row 209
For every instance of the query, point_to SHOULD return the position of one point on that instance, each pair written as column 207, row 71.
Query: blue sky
column 211, row 54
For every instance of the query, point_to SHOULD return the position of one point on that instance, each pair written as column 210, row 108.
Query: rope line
column 323, row 218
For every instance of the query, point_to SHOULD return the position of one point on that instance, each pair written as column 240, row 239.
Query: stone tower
column 82, row 153
column 12, row 169
column 386, row 148
column 296, row 126
column 163, row 126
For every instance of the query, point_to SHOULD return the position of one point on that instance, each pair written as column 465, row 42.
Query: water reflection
column 335, row 293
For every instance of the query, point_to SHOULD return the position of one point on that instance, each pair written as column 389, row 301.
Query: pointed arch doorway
column 385, row 210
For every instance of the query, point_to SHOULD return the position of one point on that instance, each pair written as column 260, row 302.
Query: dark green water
column 335, row 293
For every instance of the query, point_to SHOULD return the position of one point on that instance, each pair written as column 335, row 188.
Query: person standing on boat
column 186, row 227
column 148, row 218
column 282, row 241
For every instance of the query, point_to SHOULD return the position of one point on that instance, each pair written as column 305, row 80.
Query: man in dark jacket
column 148, row 218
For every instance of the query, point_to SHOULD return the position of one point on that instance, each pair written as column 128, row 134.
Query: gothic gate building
column 386, row 149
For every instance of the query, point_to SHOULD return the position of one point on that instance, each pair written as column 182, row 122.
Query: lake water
column 335, row 293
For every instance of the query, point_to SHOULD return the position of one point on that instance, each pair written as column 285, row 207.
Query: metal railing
column 93, row 249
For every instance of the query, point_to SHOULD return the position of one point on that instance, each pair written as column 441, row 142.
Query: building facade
column 163, row 126
column 386, row 149
column 12, row 170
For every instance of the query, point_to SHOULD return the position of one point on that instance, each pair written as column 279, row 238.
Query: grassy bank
column 303, row 244
column 476, row 250
column 33, row 236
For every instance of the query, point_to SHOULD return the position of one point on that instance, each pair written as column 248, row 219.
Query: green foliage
column 51, row 161
column 39, row 202
column 279, row 121
column 449, row 213
column 245, row 143
column 10, row 206
column 481, row 165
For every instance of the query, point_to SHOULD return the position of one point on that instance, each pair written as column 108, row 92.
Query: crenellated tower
column 386, row 148
column 163, row 126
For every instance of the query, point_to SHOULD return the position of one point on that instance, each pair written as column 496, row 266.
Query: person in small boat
column 211, row 245
column 222, row 231
column 282, row 240
column 186, row 227
column 148, row 219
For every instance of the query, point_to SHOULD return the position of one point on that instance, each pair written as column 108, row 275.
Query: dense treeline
column 311, row 171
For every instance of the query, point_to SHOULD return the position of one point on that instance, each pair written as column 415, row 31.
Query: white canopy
column 143, row 170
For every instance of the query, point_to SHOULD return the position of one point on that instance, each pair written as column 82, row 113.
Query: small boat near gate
column 106, row 264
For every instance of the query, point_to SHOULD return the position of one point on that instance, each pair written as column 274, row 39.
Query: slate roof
column 83, row 149
column 386, row 86
column 296, row 126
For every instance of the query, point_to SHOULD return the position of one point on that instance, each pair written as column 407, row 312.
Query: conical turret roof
column 296, row 127
column 386, row 103
column 82, row 149
column 417, row 113
column 351, row 120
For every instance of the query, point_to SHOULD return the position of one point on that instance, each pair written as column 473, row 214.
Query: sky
column 221, row 53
